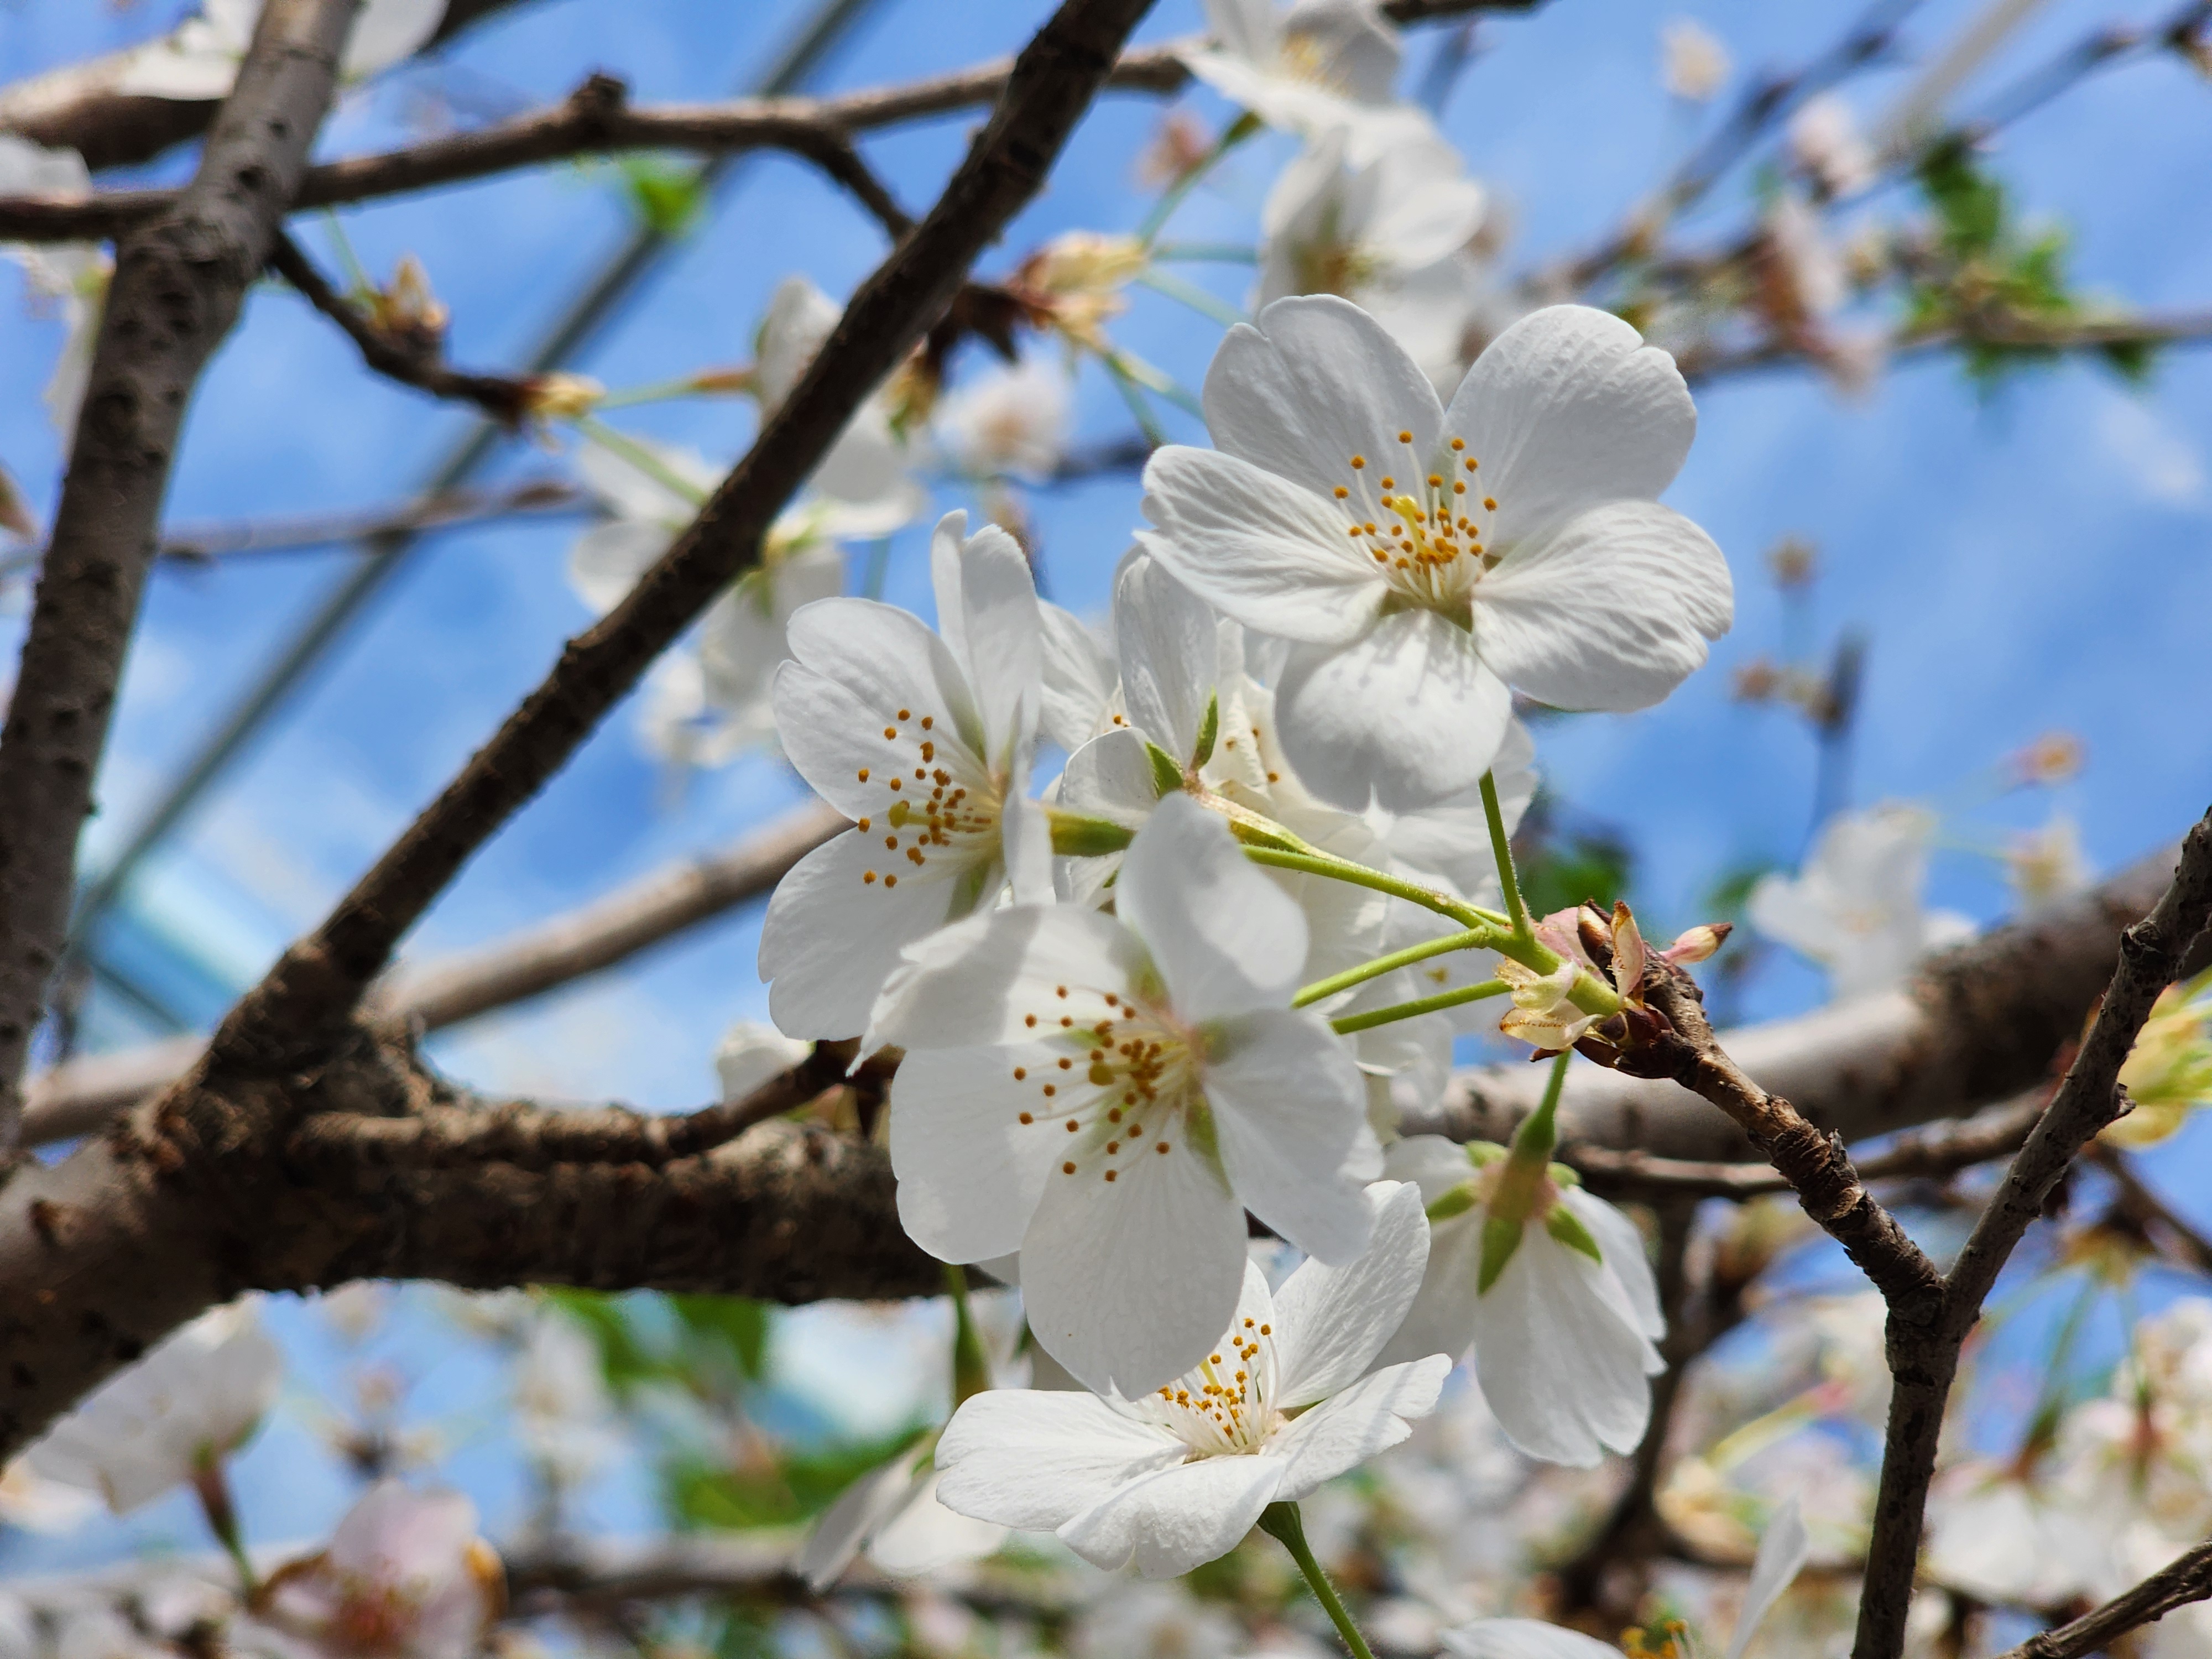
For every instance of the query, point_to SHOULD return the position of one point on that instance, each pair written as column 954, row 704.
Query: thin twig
column 1923, row 1352
column 419, row 362
column 2187, row 1578
column 597, row 118
column 2144, row 1207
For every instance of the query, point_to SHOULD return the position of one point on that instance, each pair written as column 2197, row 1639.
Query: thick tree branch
column 597, row 119
column 176, row 292
column 101, row 1253
column 78, row 1098
column 1923, row 1353
column 77, row 107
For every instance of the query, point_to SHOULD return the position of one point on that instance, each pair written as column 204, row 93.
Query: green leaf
column 1501, row 1236
column 734, row 1326
column 775, row 1493
column 1564, row 1224
column 665, row 195
column 1208, row 730
column 1167, row 776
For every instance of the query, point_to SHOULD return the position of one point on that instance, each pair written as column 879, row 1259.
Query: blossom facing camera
column 1424, row 559
column 1107, row 1095
column 1855, row 908
column 1317, row 67
column 193, row 1401
column 924, row 741
column 405, row 1577
column 1549, row 1287
column 1177, row 1475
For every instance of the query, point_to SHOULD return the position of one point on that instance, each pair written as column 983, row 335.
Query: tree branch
column 597, row 119
column 157, row 1210
column 176, row 292
column 419, row 362
column 77, row 107
column 1923, row 1354
column 2187, row 1578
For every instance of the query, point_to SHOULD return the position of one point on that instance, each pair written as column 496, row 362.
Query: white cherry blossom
column 894, row 1514
column 750, row 1053
column 1330, row 228
column 200, row 58
column 710, row 701
column 1425, row 558
column 1782, row 1555
column 405, row 1577
column 1008, row 422
column 72, row 274
column 924, row 742
column 1826, row 143
column 1693, row 63
column 1108, row 1094
column 1314, row 66
column 191, row 1402
column 1174, row 1475
column 868, row 468
column 1855, row 908
column 1563, row 1334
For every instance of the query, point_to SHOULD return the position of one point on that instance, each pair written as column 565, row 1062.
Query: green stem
column 1163, row 209
column 1346, row 1025
column 1132, row 394
column 1515, row 907
column 214, row 1494
column 1154, row 380
column 1473, row 939
column 1539, row 1132
column 356, row 275
column 1190, row 293
column 640, row 457
column 1226, row 253
column 1283, row 1522
column 1588, row 993
column 658, row 392
column 971, row 1371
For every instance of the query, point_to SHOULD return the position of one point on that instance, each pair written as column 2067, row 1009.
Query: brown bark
column 176, row 292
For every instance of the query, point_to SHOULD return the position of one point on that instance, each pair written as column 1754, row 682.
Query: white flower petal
column 924, row 1535
column 1166, row 638
column 1129, row 1283
column 1316, row 382
column 1611, row 610
column 1257, row 547
column 1522, row 1639
column 1406, row 716
column 978, row 983
column 888, row 660
column 1333, row 1321
column 607, row 559
column 1782, row 1555
column 1000, row 639
column 1431, row 1162
column 1175, row 1519
column 1622, row 1246
column 1079, row 674
column 1567, row 409
column 1027, row 1458
column 830, row 936
column 970, row 1171
column 1111, row 777
column 1225, row 938
column 834, row 736
column 1348, row 1429
column 385, row 32
column 1450, row 839
column 1442, row 1317
column 1560, row 1356
column 845, row 1525
column 632, row 491
column 1290, row 1112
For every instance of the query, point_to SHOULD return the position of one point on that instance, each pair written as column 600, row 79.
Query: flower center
column 1119, row 1086
column 940, row 805
column 1223, row 1406
column 1424, row 525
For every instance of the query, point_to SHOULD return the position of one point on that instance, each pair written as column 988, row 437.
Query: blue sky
column 2023, row 562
